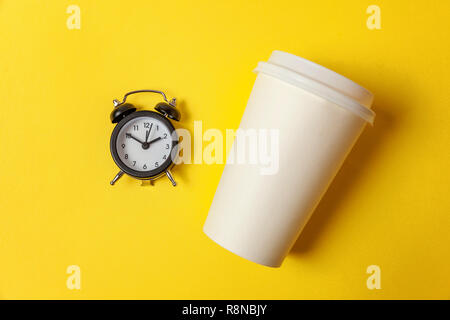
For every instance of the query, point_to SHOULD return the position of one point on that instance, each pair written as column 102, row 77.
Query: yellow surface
column 389, row 206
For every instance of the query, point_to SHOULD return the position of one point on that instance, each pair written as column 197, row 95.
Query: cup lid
column 321, row 81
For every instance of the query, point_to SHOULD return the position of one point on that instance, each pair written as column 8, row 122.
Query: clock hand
column 133, row 137
column 147, row 134
column 154, row 140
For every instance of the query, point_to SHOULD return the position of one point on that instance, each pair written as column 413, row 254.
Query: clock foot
column 169, row 175
column 117, row 177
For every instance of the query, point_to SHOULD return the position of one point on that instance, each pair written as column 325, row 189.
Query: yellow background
column 388, row 206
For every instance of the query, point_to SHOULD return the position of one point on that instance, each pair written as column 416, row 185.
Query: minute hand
column 133, row 137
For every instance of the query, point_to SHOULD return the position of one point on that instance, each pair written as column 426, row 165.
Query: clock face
column 142, row 144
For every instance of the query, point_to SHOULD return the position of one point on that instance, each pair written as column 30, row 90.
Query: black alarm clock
column 144, row 144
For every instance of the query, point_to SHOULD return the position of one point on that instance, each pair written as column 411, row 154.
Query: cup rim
column 320, row 81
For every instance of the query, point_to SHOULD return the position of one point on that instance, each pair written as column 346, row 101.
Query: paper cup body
column 259, row 210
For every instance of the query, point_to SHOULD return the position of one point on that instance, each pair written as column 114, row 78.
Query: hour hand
column 133, row 137
column 154, row 140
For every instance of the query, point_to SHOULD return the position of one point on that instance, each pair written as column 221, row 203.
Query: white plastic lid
column 320, row 81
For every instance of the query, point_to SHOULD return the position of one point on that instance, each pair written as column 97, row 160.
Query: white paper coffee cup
column 320, row 115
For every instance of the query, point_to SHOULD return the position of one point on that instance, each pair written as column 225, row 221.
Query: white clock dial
column 144, row 143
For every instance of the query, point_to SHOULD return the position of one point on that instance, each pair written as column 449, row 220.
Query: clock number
column 135, row 127
column 134, row 163
column 157, row 128
column 167, row 146
column 165, row 157
column 126, row 155
column 165, row 136
column 145, row 166
column 156, row 164
column 123, row 145
column 146, row 124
